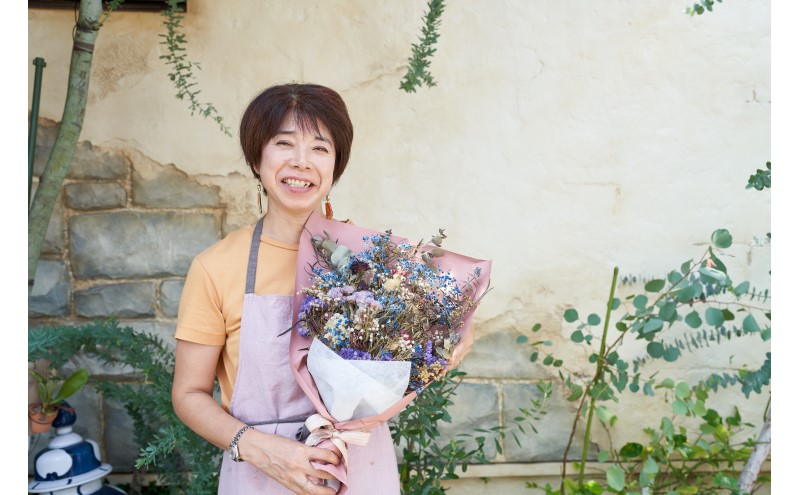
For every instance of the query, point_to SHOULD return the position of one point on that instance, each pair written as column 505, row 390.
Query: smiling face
column 296, row 168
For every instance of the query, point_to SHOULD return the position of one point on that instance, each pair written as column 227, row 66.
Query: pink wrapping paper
column 352, row 236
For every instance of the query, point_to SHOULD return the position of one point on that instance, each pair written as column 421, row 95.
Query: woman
column 237, row 301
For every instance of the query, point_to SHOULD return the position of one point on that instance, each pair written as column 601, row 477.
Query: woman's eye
column 321, row 148
column 283, row 143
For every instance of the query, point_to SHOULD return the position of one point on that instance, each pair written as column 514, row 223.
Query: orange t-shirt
column 210, row 310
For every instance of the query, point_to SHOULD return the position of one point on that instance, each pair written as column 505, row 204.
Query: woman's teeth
column 296, row 183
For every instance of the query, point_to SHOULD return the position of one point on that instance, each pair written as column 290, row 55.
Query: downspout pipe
column 34, row 123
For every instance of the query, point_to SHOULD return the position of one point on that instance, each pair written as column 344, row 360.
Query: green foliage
column 426, row 459
column 419, row 61
column 187, row 464
column 690, row 451
column 762, row 179
column 184, row 462
column 53, row 389
column 181, row 67
column 701, row 7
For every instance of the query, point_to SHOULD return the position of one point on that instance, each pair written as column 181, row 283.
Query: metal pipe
column 34, row 123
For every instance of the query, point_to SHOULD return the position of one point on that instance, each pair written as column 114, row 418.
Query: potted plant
column 52, row 392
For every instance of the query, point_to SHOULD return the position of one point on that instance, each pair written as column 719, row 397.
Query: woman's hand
column 288, row 461
column 462, row 348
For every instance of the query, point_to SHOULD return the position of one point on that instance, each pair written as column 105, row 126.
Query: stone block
column 90, row 162
column 129, row 300
column 170, row 297
column 95, row 196
column 51, row 291
column 475, row 405
column 547, row 444
column 129, row 244
column 162, row 330
column 121, row 446
column 164, row 186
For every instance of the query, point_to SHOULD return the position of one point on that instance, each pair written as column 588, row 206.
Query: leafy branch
column 700, row 8
column 419, row 61
column 181, row 74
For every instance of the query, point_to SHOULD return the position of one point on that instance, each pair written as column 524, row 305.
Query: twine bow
column 322, row 429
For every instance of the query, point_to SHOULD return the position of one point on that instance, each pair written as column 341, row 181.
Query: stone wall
column 120, row 241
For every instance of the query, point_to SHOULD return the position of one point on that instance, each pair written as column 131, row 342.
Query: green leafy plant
column 419, row 61
column 181, row 73
column 701, row 7
column 53, row 390
column 184, row 462
column 691, row 451
column 426, row 459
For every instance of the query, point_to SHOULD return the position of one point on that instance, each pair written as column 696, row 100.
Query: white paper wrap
column 353, row 389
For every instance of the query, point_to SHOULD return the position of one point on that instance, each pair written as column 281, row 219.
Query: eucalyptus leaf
column 631, row 450
column 682, row 390
column 652, row 325
column 742, row 288
column 603, row 413
column 593, row 319
column 576, row 393
column 570, row 315
column 521, row 339
column 686, row 266
column 668, row 311
column 640, row 301
column 655, row 349
column 671, row 354
column 750, row 325
column 714, row 317
column 667, row 428
column 728, row 315
column 654, row 285
column 680, row 408
column 693, row 320
column 577, row 336
column 615, row 477
column 721, row 238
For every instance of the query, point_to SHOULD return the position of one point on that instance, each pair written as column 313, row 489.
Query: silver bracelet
column 233, row 449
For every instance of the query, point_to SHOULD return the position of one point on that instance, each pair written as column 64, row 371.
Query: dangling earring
column 260, row 210
column 328, row 209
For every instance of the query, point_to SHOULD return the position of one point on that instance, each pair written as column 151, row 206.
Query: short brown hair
column 310, row 104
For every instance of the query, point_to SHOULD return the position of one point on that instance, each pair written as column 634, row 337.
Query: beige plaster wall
column 562, row 139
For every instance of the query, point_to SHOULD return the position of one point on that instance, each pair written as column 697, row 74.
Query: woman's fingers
column 323, row 455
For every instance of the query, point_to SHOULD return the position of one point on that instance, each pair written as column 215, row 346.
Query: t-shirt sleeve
column 200, row 317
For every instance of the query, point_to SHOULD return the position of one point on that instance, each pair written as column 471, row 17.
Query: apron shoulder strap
column 252, row 260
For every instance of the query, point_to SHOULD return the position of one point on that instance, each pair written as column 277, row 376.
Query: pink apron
column 267, row 396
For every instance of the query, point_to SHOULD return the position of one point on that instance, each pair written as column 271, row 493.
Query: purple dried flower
column 354, row 354
column 340, row 292
column 358, row 266
column 363, row 298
